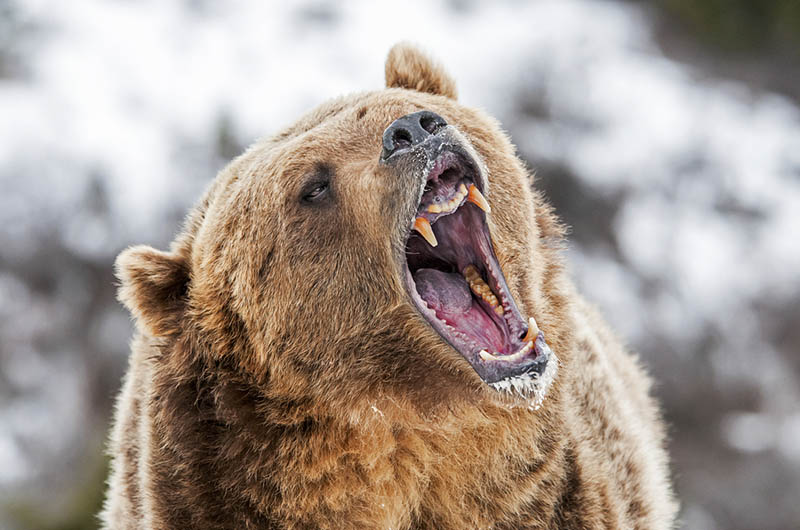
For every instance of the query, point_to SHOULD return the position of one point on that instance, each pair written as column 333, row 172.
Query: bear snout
column 410, row 130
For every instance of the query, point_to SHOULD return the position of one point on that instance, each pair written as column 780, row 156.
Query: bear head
column 387, row 247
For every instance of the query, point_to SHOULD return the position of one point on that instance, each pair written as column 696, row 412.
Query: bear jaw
column 452, row 275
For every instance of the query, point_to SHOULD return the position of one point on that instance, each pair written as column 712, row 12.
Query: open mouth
column 455, row 281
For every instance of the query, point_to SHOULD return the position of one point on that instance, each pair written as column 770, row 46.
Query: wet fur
column 280, row 377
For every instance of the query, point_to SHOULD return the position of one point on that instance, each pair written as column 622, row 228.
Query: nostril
column 431, row 124
column 401, row 139
column 409, row 131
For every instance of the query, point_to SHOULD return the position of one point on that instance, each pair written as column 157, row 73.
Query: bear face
column 387, row 242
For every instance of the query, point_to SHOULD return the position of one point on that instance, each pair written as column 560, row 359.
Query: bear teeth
column 486, row 356
column 522, row 352
column 423, row 226
column 533, row 331
column 453, row 203
column 477, row 198
column 481, row 288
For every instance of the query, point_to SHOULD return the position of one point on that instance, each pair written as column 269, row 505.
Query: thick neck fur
column 220, row 443
column 202, row 441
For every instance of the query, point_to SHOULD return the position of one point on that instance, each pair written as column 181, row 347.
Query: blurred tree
column 80, row 509
column 13, row 39
column 741, row 25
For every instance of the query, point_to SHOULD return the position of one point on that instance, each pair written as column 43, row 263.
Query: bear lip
column 457, row 285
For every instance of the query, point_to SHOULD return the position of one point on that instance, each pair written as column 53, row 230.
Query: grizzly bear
column 366, row 323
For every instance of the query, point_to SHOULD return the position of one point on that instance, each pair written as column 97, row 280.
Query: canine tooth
column 520, row 353
column 477, row 198
column 533, row 331
column 423, row 226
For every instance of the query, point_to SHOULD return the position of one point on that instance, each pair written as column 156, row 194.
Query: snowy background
column 676, row 165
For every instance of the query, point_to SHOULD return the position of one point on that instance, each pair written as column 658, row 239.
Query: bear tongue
column 444, row 292
column 450, row 297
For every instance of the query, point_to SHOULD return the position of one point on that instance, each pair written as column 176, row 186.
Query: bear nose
column 409, row 131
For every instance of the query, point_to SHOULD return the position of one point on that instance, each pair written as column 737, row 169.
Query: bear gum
column 280, row 376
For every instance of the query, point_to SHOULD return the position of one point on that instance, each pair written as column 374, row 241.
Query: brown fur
column 281, row 378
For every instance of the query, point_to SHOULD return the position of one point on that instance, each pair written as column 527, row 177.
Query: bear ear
column 407, row 67
column 153, row 287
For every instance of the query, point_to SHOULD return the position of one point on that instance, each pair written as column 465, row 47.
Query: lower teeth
column 486, row 356
column 481, row 288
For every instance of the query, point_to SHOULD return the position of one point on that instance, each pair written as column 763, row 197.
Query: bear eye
column 317, row 192
column 318, row 186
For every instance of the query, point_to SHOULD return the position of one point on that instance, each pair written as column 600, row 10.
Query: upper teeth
column 452, row 204
column 473, row 195
column 477, row 198
column 423, row 226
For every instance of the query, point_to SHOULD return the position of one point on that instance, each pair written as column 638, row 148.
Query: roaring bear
column 366, row 323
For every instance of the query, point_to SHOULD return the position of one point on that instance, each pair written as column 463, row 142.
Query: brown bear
column 365, row 323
